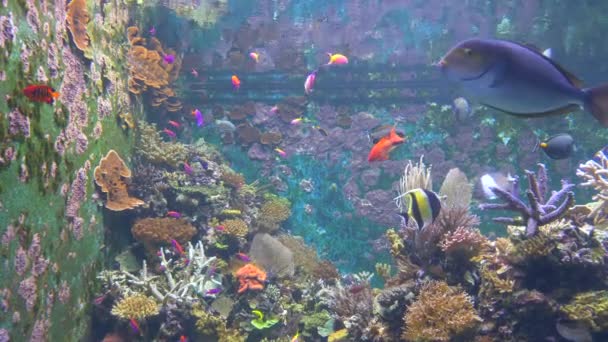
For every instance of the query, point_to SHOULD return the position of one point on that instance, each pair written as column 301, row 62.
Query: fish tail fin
column 596, row 102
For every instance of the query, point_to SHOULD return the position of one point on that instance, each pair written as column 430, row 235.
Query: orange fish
column 384, row 146
column 236, row 83
column 337, row 59
column 40, row 93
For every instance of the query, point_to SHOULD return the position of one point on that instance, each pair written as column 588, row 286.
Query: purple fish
column 174, row 214
column 152, row 31
column 169, row 58
column 243, row 257
column 198, row 116
column 519, row 80
column 214, row 291
column 187, row 168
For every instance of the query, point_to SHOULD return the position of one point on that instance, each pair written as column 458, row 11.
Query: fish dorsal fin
column 575, row 81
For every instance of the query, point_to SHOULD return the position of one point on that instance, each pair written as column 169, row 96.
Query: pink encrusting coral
column 27, row 291
column 463, row 239
column 21, row 261
column 78, row 191
column 18, row 123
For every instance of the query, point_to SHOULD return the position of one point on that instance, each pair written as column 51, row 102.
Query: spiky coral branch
column 538, row 212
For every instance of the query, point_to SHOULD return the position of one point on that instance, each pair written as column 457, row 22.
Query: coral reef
column 135, row 306
column 154, row 149
column 250, row 278
column 157, row 232
column 272, row 213
column 439, row 314
column 111, row 175
column 590, row 308
column 540, row 211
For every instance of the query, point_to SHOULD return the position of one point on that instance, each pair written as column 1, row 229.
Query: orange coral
column 110, row 175
column 78, row 17
column 250, row 278
column 156, row 232
column 148, row 70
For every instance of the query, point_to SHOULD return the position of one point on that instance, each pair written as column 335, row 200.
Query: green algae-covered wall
column 51, row 248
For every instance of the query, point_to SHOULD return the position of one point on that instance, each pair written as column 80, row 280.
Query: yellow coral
column 591, row 308
column 209, row 325
column 338, row 335
column 439, row 313
column 538, row 246
column 235, row 227
column 492, row 283
column 273, row 212
column 136, row 306
column 396, row 242
column 111, row 175
column 153, row 148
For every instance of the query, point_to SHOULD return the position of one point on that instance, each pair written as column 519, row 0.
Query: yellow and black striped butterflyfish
column 423, row 206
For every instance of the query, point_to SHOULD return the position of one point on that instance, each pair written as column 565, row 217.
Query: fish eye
column 468, row 51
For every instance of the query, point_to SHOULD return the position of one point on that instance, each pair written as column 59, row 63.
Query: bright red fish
column 174, row 124
column 183, row 339
column 40, row 93
column 384, row 146
column 236, row 82
column 178, row 247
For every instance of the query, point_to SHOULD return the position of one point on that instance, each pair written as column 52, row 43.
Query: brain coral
column 135, row 307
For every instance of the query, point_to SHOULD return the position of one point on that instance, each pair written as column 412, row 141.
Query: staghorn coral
column 235, row 227
column 272, row 255
column 272, row 213
column 250, row 278
column 594, row 172
column 414, row 176
column 590, row 308
column 154, row 149
column 539, row 212
column 439, row 313
column 157, row 232
column 456, row 190
column 110, row 175
column 78, row 17
column 181, row 283
column 136, row 307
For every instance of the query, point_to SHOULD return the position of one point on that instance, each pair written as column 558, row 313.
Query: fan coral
column 110, row 175
column 439, row 313
column 156, row 232
column 456, row 189
column 273, row 212
column 540, row 211
column 135, row 307
column 250, row 278
column 235, row 227
column 78, row 17
column 153, row 148
column 591, row 308
column 272, row 255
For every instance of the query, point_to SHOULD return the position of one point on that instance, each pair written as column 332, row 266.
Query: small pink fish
column 174, row 214
column 174, row 124
column 178, row 247
column 100, row 299
column 194, row 72
column 169, row 58
column 255, row 56
column 337, row 59
column 169, row 132
column 198, row 116
column 187, row 168
column 214, row 291
column 220, row 228
column 281, row 152
column 310, row 82
column 243, row 257
column 134, row 326
column 152, row 31
column 297, row 121
column 274, row 109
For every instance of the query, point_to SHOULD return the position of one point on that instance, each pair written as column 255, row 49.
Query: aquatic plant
column 272, row 255
column 439, row 313
column 591, row 308
column 136, row 306
column 111, row 175
column 540, row 211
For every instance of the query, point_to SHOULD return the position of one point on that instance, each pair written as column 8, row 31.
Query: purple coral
column 18, row 123
column 34, row 250
column 7, row 31
column 77, row 193
column 4, row 335
column 540, row 211
column 21, row 261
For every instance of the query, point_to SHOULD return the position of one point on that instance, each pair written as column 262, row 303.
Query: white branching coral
column 181, row 282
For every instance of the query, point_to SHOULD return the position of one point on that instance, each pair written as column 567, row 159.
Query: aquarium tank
column 303, row 170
